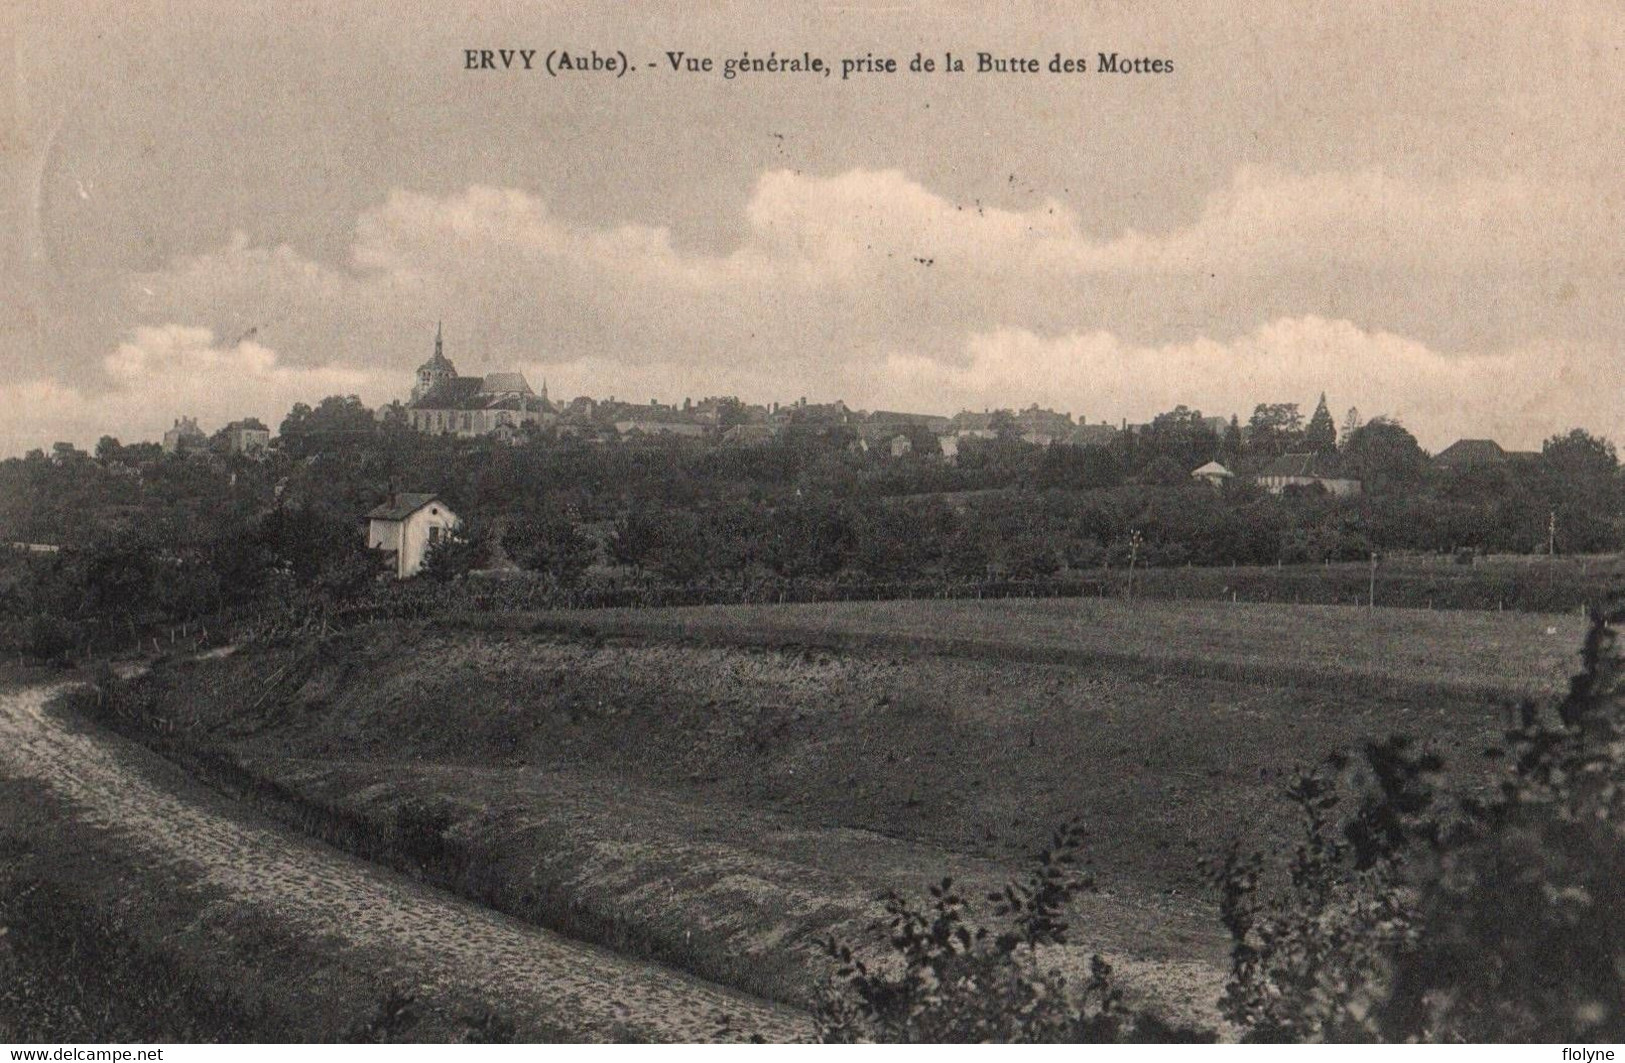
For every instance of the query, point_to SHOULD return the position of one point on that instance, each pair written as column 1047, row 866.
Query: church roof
column 505, row 383
column 494, row 392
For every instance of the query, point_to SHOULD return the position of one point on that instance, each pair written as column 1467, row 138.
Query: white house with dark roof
column 1306, row 469
column 407, row 525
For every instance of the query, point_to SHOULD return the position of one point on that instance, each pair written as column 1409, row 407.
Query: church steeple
column 436, row 370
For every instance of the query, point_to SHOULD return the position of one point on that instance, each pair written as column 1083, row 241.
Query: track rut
column 431, row 941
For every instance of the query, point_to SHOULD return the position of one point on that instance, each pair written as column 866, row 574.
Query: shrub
column 1427, row 916
column 453, row 555
column 947, row 978
column 50, row 638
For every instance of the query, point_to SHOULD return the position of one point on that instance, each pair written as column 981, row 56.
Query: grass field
column 716, row 786
column 1410, row 650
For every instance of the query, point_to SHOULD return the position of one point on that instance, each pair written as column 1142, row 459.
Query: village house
column 1093, row 435
column 407, row 526
column 748, row 435
column 445, row 403
column 185, row 438
column 248, row 437
column 1043, row 427
column 1466, row 453
column 1306, row 469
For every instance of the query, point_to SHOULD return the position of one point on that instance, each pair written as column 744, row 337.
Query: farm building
column 407, row 525
column 1305, row 469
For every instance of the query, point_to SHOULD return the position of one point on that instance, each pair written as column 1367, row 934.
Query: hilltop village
column 728, row 499
column 503, row 407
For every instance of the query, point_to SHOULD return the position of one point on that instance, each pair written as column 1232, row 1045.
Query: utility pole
column 1551, row 534
column 1371, row 599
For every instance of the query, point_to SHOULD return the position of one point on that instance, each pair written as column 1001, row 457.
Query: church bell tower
column 435, row 371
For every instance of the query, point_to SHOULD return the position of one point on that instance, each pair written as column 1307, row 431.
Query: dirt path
column 435, row 942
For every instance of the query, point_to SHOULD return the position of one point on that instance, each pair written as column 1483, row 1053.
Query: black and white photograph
column 874, row 521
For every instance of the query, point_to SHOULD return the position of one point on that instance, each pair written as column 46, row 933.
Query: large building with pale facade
column 499, row 403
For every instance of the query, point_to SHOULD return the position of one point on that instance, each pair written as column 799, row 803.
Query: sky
column 219, row 209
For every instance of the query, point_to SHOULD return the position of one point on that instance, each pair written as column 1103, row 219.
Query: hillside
column 719, row 789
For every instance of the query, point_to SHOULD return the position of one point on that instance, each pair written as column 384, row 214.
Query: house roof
column 1212, row 468
column 401, row 506
column 1301, row 464
column 1471, row 452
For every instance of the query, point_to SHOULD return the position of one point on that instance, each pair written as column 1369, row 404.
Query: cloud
column 163, row 372
column 1518, row 397
column 1400, row 293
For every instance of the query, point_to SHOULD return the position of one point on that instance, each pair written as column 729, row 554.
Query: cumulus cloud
column 1458, row 304
column 1519, row 397
column 163, row 372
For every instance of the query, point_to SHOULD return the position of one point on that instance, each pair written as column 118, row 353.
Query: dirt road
column 434, row 942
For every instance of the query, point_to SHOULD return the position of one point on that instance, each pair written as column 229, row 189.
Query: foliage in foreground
column 1419, row 915
column 1407, row 911
column 951, row 978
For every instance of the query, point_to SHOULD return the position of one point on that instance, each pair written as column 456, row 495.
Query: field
column 716, row 787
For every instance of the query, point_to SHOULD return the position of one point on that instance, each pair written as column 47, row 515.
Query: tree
column 669, row 541
column 1321, row 435
column 1351, row 422
column 1003, row 425
column 120, row 573
column 550, row 544
column 1181, row 436
column 1383, row 456
column 336, row 420
column 1275, row 428
column 1232, row 447
column 1068, row 466
column 455, row 554
column 1584, row 489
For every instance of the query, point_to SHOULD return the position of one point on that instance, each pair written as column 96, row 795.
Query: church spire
column 437, row 350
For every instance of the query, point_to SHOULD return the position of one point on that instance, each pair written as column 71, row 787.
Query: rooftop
column 401, row 506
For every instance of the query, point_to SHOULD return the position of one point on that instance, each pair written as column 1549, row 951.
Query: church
column 445, row 403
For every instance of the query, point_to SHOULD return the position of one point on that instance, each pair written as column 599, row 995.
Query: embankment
column 722, row 806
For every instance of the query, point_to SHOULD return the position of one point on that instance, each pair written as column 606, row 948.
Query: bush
column 1426, row 916
column 452, row 556
column 50, row 638
column 551, row 544
column 949, row 979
